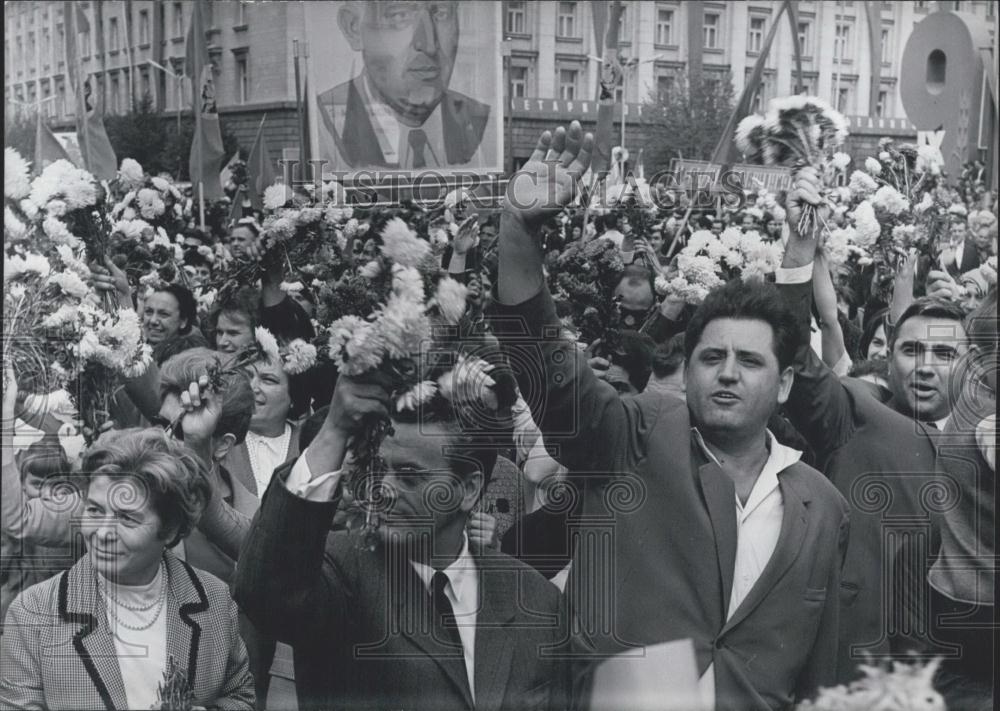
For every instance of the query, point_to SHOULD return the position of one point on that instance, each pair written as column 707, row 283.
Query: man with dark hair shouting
column 694, row 522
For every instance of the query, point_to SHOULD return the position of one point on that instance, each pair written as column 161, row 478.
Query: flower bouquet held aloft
column 798, row 131
column 903, row 687
column 583, row 278
column 410, row 336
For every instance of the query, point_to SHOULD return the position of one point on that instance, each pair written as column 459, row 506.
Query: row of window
column 567, row 26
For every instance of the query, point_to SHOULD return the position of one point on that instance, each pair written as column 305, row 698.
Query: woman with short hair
column 130, row 608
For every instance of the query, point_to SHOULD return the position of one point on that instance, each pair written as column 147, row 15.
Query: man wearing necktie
column 399, row 113
column 420, row 621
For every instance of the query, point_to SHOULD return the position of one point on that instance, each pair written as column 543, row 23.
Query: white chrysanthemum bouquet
column 708, row 261
column 407, row 323
column 797, row 131
column 904, row 687
column 59, row 332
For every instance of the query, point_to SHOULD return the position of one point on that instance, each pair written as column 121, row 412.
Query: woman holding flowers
column 129, row 610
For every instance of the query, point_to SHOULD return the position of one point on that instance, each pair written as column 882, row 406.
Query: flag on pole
column 206, row 146
column 259, row 168
column 873, row 11
column 95, row 147
column 48, row 149
column 227, row 170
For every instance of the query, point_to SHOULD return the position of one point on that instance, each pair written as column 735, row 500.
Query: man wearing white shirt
column 417, row 622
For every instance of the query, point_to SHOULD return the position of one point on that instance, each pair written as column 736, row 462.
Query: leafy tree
column 687, row 120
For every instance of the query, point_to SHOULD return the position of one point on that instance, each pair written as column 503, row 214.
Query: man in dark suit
column 417, row 622
column 880, row 455
column 962, row 254
column 694, row 522
column 399, row 112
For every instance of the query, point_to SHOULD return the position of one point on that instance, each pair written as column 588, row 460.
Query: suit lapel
column 720, row 498
column 237, row 462
column 494, row 637
column 79, row 603
column 186, row 598
column 413, row 605
column 794, row 527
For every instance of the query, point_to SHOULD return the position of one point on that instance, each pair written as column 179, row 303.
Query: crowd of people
column 626, row 442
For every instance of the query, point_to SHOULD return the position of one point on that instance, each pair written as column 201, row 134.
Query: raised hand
column 806, row 190
column 111, row 279
column 482, row 531
column 202, row 410
column 548, row 181
column 468, row 235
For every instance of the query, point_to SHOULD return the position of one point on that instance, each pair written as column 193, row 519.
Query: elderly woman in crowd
column 130, row 608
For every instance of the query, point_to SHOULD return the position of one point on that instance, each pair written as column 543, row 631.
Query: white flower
column 57, row 231
column 281, row 228
column 17, row 291
column 467, row 381
column 30, row 264
column 268, row 344
column 408, row 283
column 56, row 208
column 70, row 284
column 16, row 170
column 29, row 209
column 926, row 202
column 131, row 229
column 743, row 130
column 299, row 357
column 929, row 160
column 450, row 299
column 163, row 185
column 873, row 166
column 862, row 184
column 276, row 196
column 890, row 200
column 835, row 245
column 403, row 327
column 151, row 205
column 957, row 208
column 866, row 225
column 840, row 160
column 371, row 270
column 131, row 173
column 291, row 287
column 401, row 245
column 455, row 197
column 71, row 262
column 417, row 395
column 62, row 178
column 355, row 346
column 333, row 192
column 63, row 316
column 699, row 241
column 778, row 213
column 885, row 156
column 13, row 228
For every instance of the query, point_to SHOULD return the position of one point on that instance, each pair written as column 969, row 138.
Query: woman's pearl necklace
column 111, row 603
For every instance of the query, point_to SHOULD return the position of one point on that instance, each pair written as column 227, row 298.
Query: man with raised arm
column 695, row 522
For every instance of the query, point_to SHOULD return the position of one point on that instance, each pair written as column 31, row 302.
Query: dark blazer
column 237, row 461
column 463, row 121
column 970, row 260
column 884, row 464
column 357, row 620
column 58, row 652
column 656, row 549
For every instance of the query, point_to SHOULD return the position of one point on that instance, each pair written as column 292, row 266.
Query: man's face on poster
column 408, row 49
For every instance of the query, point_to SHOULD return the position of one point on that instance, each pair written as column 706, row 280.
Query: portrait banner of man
column 405, row 87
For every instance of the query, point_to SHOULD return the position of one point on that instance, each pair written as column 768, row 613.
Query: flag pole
column 201, row 204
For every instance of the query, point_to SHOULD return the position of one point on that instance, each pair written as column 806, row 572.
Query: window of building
column 567, row 84
column 116, row 94
column 665, row 86
column 842, row 42
column 46, row 47
column 805, row 32
column 84, row 38
column 31, row 52
column 755, row 34
column 241, row 13
column 242, row 79
column 143, row 26
column 178, row 19
column 886, row 45
column 518, row 81
column 711, row 30
column 516, row 17
column 882, row 107
column 20, row 53
column 921, row 5
column 664, row 26
column 566, row 20
column 623, row 27
column 113, row 35
column 842, row 98
column 61, row 101
column 47, row 107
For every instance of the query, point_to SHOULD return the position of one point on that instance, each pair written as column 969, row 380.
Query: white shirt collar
column 942, row 422
column 272, row 443
column 459, row 572
column 779, row 458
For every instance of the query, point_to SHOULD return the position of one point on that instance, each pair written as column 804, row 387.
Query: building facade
column 548, row 49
